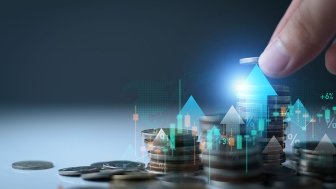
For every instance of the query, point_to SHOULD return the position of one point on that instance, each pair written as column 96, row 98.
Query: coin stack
column 276, row 126
column 316, row 159
column 172, row 151
column 273, row 126
column 224, row 163
column 229, row 165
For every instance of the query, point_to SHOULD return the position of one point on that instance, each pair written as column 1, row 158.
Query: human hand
column 303, row 32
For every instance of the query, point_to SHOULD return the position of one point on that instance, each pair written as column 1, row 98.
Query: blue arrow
column 255, row 92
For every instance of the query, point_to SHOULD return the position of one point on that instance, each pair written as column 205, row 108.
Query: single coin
column 99, row 164
column 249, row 60
column 175, row 164
column 102, row 175
column 77, row 171
column 169, row 152
column 97, row 176
column 167, row 167
column 111, row 172
column 121, row 164
column 178, row 150
column 32, row 165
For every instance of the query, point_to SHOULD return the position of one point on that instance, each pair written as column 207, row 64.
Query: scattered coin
column 112, row 172
column 32, row 165
column 100, row 164
column 96, row 176
column 127, row 165
column 103, row 175
column 77, row 171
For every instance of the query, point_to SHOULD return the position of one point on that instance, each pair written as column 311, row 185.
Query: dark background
column 90, row 52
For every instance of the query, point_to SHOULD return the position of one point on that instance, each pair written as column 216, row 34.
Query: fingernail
column 274, row 59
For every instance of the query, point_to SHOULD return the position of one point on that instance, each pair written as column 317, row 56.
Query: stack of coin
column 172, row 151
column 276, row 126
column 272, row 155
column 224, row 163
column 277, row 112
column 227, row 164
column 317, row 159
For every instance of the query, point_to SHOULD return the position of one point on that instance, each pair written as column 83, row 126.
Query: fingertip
column 274, row 60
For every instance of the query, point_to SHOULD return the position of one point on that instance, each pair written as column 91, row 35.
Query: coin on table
column 124, row 164
column 32, row 165
column 99, row 164
column 103, row 175
column 134, row 176
column 96, row 176
column 111, row 172
column 77, row 171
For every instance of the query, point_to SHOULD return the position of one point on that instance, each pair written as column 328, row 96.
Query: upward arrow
column 232, row 120
column 255, row 91
column 258, row 83
column 326, row 146
column 161, row 139
column 272, row 145
column 193, row 109
column 298, row 116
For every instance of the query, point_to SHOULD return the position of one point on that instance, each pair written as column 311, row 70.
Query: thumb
column 308, row 30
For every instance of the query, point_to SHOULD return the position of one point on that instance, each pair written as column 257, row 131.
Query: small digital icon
column 327, row 96
column 332, row 124
column 293, row 139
